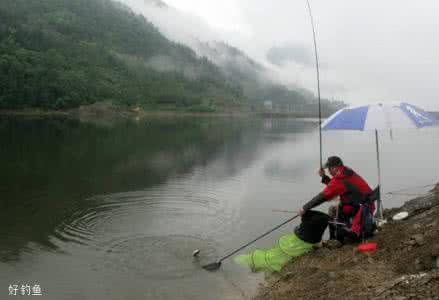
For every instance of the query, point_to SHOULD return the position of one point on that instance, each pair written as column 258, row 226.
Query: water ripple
column 177, row 203
column 157, row 257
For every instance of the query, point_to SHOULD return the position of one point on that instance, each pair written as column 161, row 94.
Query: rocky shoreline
column 406, row 265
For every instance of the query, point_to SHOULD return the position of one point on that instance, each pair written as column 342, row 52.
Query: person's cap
column 333, row 161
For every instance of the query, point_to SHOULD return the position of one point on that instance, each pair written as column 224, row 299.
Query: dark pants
column 343, row 233
column 340, row 232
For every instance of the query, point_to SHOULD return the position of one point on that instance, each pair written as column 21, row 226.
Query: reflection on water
column 124, row 205
column 51, row 167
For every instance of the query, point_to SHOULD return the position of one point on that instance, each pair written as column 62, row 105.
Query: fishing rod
column 318, row 81
column 283, row 211
column 318, row 85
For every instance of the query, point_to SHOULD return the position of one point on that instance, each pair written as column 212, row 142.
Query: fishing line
column 410, row 188
column 406, row 194
column 318, row 81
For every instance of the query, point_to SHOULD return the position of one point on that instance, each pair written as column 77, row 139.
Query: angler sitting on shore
column 354, row 215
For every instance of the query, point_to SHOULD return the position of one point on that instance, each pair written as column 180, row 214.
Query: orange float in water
column 367, row 248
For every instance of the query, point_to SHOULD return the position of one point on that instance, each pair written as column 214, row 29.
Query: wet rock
column 419, row 239
column 418, row 264
column 429, row 233
column 418, row 205
column 322, row 252
column 432, row 224
column 417, row 226
column 317, row 246
column 435, row 250
column 435, row 189
column 333, row 244
column 288, row 276
column 332, row 276
column 410, row 242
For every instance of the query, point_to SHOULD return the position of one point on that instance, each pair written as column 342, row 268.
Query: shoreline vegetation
column 106, row 109
column 109, row 110
column 406, row 265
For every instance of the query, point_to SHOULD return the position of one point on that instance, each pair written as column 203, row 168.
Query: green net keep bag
column 308, row 233
column 274, row 259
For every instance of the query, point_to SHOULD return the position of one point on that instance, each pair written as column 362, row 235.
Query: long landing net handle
column 258, row 238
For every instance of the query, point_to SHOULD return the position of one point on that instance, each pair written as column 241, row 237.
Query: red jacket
column 339, row 186
column 352, row 189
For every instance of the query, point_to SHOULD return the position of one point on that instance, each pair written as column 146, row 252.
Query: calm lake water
column 114, row 211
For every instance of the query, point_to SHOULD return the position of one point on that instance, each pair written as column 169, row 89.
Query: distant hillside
column 255, row 80
column 59, row 54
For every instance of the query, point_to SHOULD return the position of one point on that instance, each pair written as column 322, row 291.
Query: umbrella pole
column 380, row 204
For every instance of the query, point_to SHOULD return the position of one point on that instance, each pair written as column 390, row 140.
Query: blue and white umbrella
column 380, row 116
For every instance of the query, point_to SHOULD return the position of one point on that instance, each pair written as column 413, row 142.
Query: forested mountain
column 59, row 54
column 257, row 81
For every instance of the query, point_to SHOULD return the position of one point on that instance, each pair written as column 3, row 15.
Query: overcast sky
column 369, row 50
